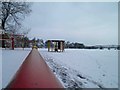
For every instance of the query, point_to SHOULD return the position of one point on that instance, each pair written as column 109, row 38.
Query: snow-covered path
column 74, row 68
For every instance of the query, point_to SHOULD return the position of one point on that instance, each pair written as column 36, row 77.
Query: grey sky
column 86, row 22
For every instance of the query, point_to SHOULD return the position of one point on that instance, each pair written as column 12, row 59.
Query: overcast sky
column 91, row 23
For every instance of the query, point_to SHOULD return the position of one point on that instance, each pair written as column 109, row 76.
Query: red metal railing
column 34, row 73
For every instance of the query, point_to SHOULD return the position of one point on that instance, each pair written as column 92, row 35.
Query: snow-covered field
column 90, row 68
column 0, row 68
column 74, row 67
column 11, row 61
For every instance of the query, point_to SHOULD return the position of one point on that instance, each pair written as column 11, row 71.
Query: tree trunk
column 3, row 41
column 3, row 25
column 3, row 28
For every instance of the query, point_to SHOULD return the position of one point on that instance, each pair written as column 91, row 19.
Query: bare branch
column 13, row 13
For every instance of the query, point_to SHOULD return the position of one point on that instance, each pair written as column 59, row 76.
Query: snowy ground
column 74, row 68
column 85, row 68
column 0, row 68
column 11, row 61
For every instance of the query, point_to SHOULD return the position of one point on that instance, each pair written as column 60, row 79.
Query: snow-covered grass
column 74, row 67
column 0, row 68
column 99, row 66
column 11, row 61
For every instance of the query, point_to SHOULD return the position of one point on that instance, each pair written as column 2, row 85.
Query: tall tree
column 13, row 13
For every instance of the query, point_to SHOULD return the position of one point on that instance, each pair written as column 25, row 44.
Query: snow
column 0, row 68
column 11, row 61
column 74, row 67
column 100, row 66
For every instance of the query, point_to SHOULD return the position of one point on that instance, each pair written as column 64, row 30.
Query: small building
column 55, row 45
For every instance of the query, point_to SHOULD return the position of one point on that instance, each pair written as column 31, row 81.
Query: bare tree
column 12, row 14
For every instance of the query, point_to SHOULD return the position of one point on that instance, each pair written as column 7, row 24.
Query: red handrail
column 34, row 73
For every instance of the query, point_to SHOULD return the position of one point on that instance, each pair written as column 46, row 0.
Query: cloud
column 90, row 22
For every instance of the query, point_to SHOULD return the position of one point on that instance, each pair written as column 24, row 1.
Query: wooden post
column 48, row 44
column 12, row 38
